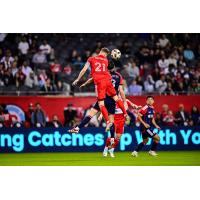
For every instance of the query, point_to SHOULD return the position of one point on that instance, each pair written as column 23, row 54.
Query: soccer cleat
column 134, row 154
column 153, row 153
column 74, row 130
column 108, row 126
column 105, row 152
column 111, row 152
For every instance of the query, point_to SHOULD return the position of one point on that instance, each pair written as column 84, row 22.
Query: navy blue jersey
column 117, row 80
column 147, row 115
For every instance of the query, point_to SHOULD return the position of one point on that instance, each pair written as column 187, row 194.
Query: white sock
column 106, row 149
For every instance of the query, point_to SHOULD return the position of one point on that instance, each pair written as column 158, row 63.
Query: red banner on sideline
column 55, row 105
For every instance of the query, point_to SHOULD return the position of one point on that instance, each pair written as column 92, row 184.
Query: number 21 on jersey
column 100, row 67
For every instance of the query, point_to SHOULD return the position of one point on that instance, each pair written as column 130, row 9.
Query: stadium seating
column 143, row 49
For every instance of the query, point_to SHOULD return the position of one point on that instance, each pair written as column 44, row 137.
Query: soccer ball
column 115, row 54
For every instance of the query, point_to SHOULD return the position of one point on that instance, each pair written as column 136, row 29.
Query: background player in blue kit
column 146, row 118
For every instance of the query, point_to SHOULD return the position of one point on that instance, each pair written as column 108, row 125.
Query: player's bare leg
column 139, row 147
column 111, row 120
column 85, row 121
column 156, row 140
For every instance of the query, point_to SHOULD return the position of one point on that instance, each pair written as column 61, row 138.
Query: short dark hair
column 105, row 50
column 150, row 96
column 111, row 65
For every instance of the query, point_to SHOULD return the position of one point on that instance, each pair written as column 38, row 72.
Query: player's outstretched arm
column 131, row 104
column 87, row 82
column 155, row 124
column 81, row 74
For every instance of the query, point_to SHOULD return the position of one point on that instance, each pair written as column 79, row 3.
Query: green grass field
column 169, row 158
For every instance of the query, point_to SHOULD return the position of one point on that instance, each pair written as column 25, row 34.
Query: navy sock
column 154, row 146
column 84, row 121
column 112, row 131
column 139, row 147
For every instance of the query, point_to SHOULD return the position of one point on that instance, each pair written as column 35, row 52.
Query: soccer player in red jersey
column 110, row 104
column 119, row 122
column 102, row 81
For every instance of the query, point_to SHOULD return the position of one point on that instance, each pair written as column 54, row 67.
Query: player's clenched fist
column 75, row 82
column 158, row 127
column 83, row 85
column 146, row 125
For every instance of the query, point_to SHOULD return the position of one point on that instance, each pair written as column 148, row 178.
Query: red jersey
column 99, row 68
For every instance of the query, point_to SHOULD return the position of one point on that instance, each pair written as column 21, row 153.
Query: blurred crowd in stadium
column 150, row 63
column 35, row 116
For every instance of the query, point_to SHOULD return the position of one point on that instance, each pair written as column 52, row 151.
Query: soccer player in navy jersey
column 146, row 118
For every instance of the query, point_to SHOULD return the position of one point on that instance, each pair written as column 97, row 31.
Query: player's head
column 150, row 100
column 104, row 51
column 111, row 66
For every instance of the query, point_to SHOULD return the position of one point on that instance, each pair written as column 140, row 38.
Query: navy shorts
column 109, row 104
column 147, row 133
